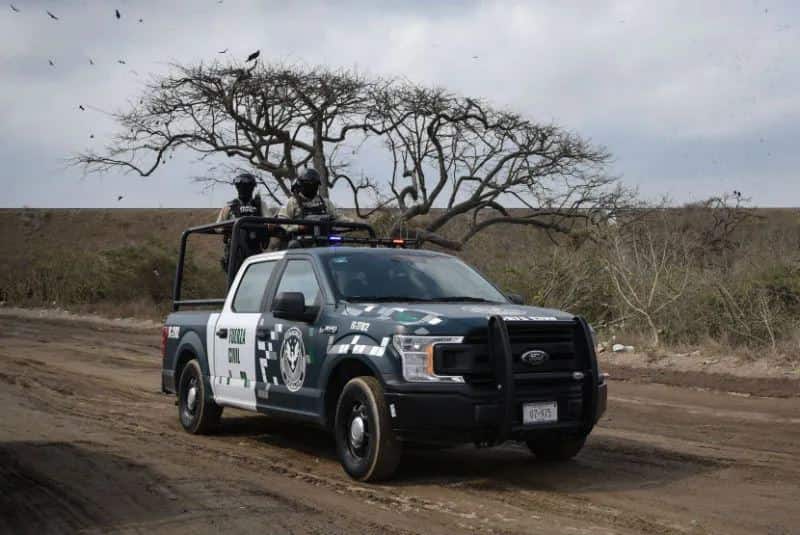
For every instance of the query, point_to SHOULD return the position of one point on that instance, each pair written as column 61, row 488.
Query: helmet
column 245, row 184
column 307, row 184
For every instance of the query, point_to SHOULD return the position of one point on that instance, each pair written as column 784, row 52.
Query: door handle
column 222, row 332
column 261, row 334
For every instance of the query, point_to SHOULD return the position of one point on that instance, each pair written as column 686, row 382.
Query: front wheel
column 365, row 442
column 196, row 410
column 557, row 448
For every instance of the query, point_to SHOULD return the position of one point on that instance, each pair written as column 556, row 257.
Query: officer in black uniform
column 245, row 204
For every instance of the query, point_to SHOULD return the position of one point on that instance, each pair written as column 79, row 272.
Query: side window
column 252, row 286
column 299, row 277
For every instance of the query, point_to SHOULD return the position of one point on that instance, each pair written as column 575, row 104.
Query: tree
column 275, row 119
column 476, row 162
column 458, row 166
column 649, row 265
column 720, row 220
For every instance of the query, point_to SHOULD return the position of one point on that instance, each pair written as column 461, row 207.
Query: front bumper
column 493, row 413
column 445, row 417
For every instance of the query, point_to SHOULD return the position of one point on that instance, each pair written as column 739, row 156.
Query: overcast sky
column 692, row 98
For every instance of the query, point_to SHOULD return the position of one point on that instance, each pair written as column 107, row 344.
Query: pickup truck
column 385, row 347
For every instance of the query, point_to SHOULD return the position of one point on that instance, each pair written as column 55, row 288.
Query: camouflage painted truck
column 384, row 346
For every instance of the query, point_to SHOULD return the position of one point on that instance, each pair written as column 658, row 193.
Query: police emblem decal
column 293, row 359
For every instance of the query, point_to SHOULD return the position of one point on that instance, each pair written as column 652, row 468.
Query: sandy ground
column 87, row 443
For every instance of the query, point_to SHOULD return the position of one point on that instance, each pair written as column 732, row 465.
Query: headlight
column 416, row 353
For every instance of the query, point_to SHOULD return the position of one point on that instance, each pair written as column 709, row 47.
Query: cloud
column 680, row 92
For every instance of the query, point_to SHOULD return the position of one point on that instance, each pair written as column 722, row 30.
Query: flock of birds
column 118, row 15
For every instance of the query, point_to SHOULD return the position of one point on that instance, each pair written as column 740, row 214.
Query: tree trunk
column 319, row 160
column 653, row 331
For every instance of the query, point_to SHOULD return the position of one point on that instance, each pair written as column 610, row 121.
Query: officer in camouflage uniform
column 305, row 203
column 245, row 204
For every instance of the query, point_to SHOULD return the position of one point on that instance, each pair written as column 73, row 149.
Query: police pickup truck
column 383, row 346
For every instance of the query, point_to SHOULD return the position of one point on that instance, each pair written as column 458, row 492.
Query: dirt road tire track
column 88, row 443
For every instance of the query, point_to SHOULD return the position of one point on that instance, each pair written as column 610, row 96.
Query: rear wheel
column 556, row 448
column 365, row 442
column 196, row 410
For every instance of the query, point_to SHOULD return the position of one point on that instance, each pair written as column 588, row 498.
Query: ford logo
column 534, row 357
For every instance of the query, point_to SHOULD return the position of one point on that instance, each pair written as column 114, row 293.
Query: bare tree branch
column 458, row 164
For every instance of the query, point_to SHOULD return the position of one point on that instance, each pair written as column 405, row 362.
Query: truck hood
column 444, row 318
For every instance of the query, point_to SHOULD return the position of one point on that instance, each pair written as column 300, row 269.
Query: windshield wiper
column 386, row 298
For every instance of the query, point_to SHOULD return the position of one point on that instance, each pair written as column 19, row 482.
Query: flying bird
column 474, row 57
column 14, row 8
column 81, row 107
column 134, row 72
column 120, row 197
column 50, row 61
column 141, row 20
column 116, row 12
column 254, row 55
column 91, row 136
column 91, row 61
column 51, row 15
column 121, row 62
column 222, row 51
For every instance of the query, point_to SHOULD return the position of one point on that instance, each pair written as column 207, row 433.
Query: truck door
column 234, row 376
column 296, row 348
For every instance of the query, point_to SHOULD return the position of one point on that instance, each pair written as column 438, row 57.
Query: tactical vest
column 240, row 209
column 315, row 206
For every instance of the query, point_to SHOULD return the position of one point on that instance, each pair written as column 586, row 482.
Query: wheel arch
column 190, row 347
column 339, row 373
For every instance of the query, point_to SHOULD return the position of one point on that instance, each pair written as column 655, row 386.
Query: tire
column 202, row 415
column 376, row 455
column 558, row 448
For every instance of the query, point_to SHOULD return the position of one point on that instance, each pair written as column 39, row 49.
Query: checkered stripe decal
column 267, row 350
column 385, row 314
column 356, row 347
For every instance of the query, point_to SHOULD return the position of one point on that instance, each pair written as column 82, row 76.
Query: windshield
column 404, row 276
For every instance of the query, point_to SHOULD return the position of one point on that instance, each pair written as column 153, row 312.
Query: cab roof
column 344, row 249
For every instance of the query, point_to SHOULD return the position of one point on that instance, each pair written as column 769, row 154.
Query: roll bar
column 323, row 232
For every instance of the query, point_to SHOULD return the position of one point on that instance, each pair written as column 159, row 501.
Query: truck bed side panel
column 188, row 338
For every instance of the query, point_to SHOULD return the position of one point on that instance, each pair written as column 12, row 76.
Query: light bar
column 334, row 238
column 398, row 242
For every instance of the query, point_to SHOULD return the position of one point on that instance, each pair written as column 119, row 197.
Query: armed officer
column 245, row 204
column 305, row 203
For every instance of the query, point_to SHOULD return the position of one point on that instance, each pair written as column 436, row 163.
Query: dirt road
column 88, row 443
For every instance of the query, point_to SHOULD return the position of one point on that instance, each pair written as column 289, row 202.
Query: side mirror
column 516, row 299
column 292, row 306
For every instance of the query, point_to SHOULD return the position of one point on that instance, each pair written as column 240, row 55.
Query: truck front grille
column 560, row 341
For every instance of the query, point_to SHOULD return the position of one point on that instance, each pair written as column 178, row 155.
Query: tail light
column 164, row 334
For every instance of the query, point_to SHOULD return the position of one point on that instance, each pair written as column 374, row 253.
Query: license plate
column 539, row 413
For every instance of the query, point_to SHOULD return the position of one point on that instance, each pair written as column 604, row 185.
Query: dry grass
column 742, row 298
